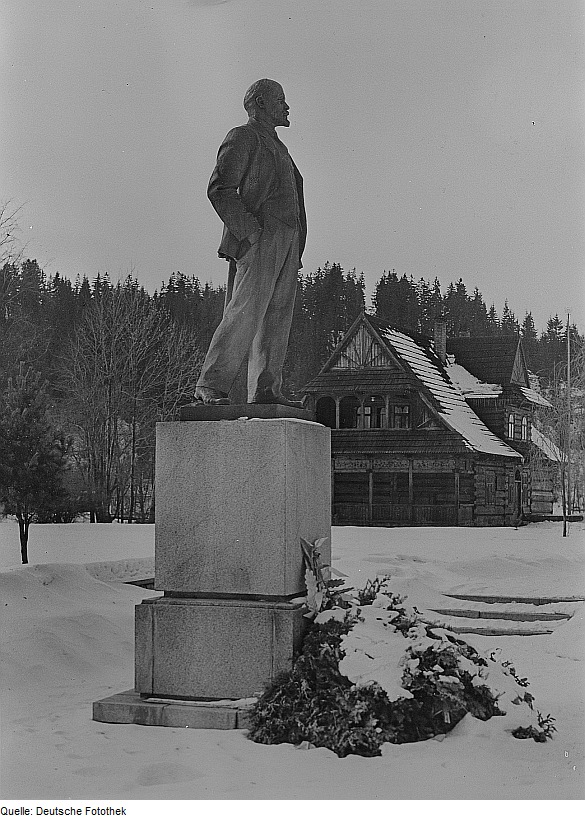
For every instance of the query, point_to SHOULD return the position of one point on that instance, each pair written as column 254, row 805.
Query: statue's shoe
column 208, row 395
column 268, row 397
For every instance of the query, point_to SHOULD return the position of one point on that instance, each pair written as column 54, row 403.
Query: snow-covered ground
column 67, row 640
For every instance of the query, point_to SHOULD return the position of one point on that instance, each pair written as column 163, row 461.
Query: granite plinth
column 232, row 412
column 129, row 707
column 233, row 500
column 210, row 648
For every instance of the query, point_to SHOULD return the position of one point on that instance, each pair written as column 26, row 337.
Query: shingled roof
column 418, row 359
column 491, row 359
column 454, row 410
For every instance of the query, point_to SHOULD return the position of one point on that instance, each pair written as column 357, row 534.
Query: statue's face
column 275, row 106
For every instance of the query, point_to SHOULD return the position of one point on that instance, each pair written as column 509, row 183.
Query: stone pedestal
column 233, row 500
column 210, row 648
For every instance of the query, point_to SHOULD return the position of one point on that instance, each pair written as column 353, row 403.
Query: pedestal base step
column 129, row 707
column 205, row 649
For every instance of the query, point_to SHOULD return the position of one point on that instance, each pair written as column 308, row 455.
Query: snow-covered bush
column 371, row 671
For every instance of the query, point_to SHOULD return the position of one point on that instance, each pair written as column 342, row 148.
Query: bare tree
column 564, row 424
column 128, row 367
column 10, row 250
column 21, row 338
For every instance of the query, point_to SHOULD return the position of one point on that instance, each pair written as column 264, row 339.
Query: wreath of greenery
column 332, row 696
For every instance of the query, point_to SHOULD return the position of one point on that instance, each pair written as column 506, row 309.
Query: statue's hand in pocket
column 248, row 243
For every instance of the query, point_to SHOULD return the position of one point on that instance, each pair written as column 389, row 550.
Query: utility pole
column 568, row 505
column 569, row 415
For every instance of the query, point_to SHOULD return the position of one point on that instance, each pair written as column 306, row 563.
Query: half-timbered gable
column 361, row 351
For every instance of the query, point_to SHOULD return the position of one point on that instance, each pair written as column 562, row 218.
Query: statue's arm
column 233, row 161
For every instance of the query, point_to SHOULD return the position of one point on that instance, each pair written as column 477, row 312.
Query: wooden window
column 401, row 416
column 490, row 487
column 373, row 413
column 511, row 425
column 511, row 492
column 525, row 435
column 524, row 490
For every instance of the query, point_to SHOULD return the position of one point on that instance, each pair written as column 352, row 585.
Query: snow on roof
column 455, row 411
column 473, row 388
column 468, row 384
column 534, row 397
column 546, row 445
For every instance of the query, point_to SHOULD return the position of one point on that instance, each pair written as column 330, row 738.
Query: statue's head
column 265, row 101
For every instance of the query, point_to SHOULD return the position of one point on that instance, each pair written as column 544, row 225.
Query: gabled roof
column 473, row 388
column 492, row 359
column 415, row 356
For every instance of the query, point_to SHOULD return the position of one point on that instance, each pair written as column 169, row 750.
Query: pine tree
column 456, row 309
column 493, row 322
column 396, row 301
column 555, row 330
column 24, row 330
column 330, row 301
column 31, row 289
column 509, row 326
column 32, row 454
column 83, row 293
column 478, row 315
column 182, row 296
column 530, row 341
column 424, row 295
column 528, row 330
column 211, row 311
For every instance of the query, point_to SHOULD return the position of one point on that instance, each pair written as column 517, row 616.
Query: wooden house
column 407, row 448
column 493, row 375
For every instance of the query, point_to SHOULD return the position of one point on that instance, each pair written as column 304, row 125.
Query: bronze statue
column 257, row 191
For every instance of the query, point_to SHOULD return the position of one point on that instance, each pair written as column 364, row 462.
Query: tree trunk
column 564, row 499
column 151, row 511
column 132, row 464
column 23, row 526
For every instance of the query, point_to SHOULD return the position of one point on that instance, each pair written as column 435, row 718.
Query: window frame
column 490, row 488
column 403, row 414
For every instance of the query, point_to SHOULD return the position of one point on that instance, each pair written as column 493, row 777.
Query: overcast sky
column 437, row 137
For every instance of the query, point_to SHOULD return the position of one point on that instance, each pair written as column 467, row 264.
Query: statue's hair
column 257, row 89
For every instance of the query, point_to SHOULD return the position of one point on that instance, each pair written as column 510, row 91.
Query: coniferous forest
column 110, row 360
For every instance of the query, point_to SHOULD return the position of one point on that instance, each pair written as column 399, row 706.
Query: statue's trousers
column 258, row 316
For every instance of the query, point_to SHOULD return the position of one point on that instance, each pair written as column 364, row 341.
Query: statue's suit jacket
column 251, row 183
